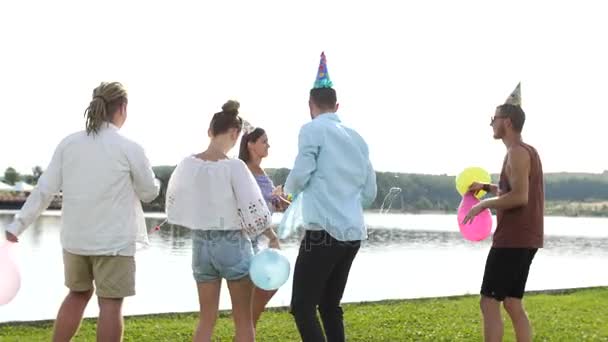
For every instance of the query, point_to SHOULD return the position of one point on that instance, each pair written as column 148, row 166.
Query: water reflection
column 417, row 243
column 177, row 238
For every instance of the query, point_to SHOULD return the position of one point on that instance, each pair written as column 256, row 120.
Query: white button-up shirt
column 103, row 177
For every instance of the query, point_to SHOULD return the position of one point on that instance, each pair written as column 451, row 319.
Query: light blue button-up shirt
column 332, row 179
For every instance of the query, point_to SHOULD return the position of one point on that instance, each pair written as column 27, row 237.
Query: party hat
column 515, row 97
column 323, row 80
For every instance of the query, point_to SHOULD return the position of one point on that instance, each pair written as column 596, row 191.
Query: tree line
column 419, row 192
column 423, row 192
column 11, row 176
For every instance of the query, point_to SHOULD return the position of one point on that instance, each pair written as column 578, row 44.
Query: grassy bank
column 580, row 315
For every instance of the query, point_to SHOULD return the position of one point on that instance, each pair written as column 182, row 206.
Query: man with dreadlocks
column 104, row 177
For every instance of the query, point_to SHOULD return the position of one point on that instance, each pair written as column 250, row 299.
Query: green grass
column 580, row 315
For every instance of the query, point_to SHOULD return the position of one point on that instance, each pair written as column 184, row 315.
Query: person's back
column 219, row 200
column 103, row 176
column 100, row 175
column 522, row 227
column 335, row 191
column 201, row 194
column 332, row 180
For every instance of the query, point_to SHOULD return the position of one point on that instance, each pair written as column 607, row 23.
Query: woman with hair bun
column 218, row 198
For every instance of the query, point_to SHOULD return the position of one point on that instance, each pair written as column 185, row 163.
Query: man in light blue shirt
column 334, row 179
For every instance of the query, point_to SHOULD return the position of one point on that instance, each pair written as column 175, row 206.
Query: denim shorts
column 220, row 254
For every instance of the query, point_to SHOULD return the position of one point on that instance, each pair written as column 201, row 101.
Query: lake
column 407, row 256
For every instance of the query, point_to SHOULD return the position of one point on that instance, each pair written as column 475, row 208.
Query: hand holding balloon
column 472, row 176
column 274, row 243
column 473, row 212
column 280, row 200
column 474, row 221
column 269, row 269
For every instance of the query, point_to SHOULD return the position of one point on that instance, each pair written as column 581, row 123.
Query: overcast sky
column 419, row 80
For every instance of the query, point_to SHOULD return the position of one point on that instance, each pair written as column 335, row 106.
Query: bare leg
column 258, row 303
column 492, row 320
column 209, row 299
column 521, row 323
column 70, row 315
column 240, row 294
column 110, row 323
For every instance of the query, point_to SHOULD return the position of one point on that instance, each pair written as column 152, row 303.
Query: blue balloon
column 269, row 269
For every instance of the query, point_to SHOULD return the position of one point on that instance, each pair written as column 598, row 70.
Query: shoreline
column 226, row 312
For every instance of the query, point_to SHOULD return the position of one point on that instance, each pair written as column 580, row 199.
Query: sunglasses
column 495, row 117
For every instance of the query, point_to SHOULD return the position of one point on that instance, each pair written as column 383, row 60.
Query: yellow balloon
column 470, row 175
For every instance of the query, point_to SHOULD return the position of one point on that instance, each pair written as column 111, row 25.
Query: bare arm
column 487, row 187
column 492, row 189
column 519, row 166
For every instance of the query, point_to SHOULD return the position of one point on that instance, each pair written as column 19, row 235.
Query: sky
column 418, row 79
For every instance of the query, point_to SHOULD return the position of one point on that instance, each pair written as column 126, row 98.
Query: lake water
column 407, row 256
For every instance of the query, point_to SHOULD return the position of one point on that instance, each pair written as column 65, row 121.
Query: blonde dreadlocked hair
column 107, row 99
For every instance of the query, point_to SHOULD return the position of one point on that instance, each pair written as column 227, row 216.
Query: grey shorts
column 220, row 254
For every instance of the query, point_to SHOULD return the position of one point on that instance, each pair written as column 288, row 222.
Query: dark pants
column 319, row 280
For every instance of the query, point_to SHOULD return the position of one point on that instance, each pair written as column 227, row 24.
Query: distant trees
column 278, row 176
column 11, row 176
column 420, row 192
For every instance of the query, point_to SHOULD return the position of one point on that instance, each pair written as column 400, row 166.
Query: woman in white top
column 218, row 198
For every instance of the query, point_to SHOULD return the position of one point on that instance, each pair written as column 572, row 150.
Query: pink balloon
column 481, row 227
column 10, row 279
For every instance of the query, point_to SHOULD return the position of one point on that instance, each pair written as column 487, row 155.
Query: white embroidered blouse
column 216, row 195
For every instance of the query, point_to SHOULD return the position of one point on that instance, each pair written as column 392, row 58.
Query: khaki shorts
column 114, row 276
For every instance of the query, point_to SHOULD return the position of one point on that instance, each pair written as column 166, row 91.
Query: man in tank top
column 519, row 205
